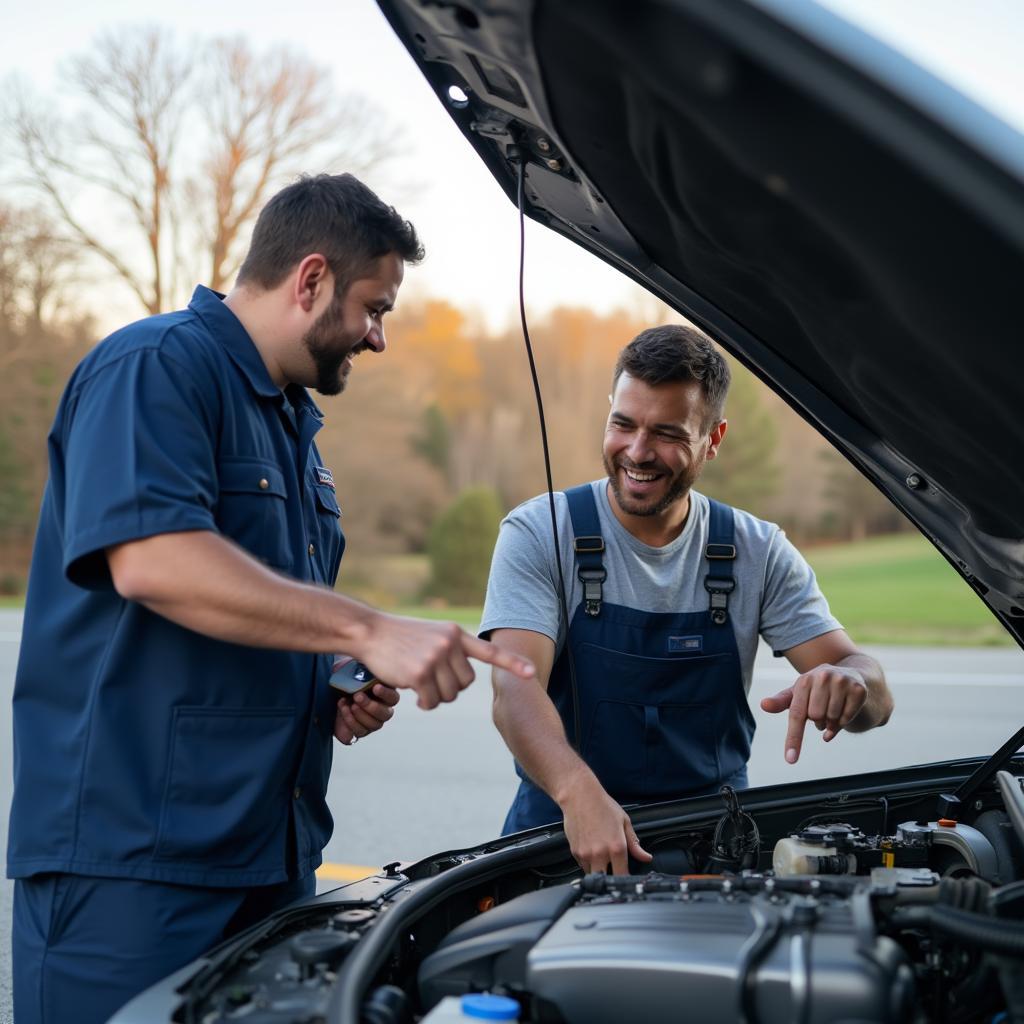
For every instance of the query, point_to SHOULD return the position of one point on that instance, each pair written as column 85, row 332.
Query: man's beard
column 326, row 354
column 678, row 487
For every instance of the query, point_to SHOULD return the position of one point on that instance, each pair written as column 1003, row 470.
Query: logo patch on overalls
column 325, row 476
column 677, row 644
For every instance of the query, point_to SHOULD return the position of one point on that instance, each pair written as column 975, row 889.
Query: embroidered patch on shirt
column 325, row 476
column 685, row 643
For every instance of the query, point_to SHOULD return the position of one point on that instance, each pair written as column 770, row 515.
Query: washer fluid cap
column 487, row 1007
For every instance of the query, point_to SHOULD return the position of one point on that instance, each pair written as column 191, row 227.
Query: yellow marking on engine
column 344, row 872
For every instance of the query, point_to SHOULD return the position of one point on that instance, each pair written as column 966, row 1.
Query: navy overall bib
column 662, row 708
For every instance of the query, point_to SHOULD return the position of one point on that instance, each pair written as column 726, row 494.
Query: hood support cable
column 516, row 153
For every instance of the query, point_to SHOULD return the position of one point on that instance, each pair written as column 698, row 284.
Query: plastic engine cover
column 712, row 959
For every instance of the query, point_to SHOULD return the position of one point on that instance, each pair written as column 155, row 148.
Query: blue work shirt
column 143, row 749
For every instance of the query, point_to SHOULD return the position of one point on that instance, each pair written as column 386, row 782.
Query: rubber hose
column 1006, row 937
column 969, row 894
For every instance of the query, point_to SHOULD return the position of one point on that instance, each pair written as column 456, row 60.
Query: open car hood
column 845, row 224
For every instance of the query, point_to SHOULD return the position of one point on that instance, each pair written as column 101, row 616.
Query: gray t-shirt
column 776, row 594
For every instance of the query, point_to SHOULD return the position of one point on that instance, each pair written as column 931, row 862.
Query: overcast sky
column 469, row 226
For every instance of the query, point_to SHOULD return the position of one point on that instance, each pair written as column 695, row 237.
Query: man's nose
column 639, row 449
column 375, row 339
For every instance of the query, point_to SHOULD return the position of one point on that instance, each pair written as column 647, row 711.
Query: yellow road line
column 344, row 872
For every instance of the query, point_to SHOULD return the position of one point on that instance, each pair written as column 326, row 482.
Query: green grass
column 900, row 590
column 467, row 617
column 886, row 590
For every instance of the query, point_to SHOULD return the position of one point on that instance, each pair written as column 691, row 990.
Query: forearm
column 206, row 583
column 878, row 706
column 533, row 731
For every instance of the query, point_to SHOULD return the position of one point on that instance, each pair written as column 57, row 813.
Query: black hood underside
column 845, row 243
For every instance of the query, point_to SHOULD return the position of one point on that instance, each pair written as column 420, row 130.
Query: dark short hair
column 676, row 353
column 332, row 214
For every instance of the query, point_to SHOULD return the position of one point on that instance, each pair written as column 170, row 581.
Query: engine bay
column 845, row 927
column 856, row 907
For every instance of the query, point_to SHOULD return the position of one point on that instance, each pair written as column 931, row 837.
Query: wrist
column 579, row 785
column 359, row 623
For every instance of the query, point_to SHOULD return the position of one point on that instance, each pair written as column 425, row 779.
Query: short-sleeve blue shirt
column 143, row 749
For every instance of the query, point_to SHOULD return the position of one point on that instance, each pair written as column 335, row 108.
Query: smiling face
column 353, row 323
column 655, row 448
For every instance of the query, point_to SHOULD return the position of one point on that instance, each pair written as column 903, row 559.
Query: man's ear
column 310, row 279
column 715, row 437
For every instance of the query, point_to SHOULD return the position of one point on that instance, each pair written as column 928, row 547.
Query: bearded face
column 655, row 444
column 351, row 323
column 651, row 488
column 330, row 348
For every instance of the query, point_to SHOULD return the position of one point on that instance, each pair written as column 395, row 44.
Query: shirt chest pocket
column 252, row 508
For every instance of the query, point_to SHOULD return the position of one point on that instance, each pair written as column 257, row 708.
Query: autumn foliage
column 447, row 407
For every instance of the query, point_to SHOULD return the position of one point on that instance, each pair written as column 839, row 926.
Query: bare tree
column 267, row 114
column 36, row 266
column 123, row 162
column 119, row 150
column 10, row 271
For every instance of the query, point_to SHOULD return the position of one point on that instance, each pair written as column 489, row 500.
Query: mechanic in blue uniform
column 667, row 593
column 172, row 715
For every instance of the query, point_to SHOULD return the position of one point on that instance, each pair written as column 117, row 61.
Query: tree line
column 448, row 407
column 449, row 410
column 152, row 183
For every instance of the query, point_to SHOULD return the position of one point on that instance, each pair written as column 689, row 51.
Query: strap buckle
column 592, row 580
column 716, row 552
column 719, row 588
column 591, row 572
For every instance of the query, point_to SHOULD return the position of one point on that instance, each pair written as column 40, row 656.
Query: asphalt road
column 440, row 780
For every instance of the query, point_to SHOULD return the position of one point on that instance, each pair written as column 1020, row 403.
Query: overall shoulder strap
column 588, row 544
column 720, row 553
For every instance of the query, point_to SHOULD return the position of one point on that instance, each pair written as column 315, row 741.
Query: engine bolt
column 554, row 164
column 543, row 145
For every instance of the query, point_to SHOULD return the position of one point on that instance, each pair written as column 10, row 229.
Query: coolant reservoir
column 794, row 856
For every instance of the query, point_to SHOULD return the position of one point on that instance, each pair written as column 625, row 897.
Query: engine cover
column 713, row 957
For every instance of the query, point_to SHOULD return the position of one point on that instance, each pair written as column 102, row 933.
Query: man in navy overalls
column 172, row 713
column 644, row 696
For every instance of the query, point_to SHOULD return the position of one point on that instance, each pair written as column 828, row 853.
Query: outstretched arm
column 599, row 831
column 204, row 582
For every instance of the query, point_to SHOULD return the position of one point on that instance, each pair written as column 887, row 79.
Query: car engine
column 748, row 948
column 844, row 927
column 800, row 916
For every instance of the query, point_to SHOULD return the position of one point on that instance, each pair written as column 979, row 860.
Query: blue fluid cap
column 487, row 1007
